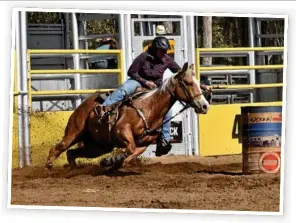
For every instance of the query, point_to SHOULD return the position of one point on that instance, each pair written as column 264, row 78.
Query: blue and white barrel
column 261, row 135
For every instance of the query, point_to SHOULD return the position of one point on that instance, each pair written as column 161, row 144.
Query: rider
column 147, row 71
column 106, row 43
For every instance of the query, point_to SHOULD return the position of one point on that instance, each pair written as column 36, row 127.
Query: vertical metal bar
column 67, row 27
column 26, row 105
column 258, row 27
column 118, row 66
column 198, row 64
column 84, row 24
column 251, row 54
column 76, row 60
column 29, row 80
column 196, row 31
column 15, row 82
column 191, row 39
column 259, row 41
column 187, row 117
column 184, row 37
column 121, row 64
column 193, row 116
column 129, row 27
column 82, row 44
column 67, row 40
column 149, row 29
column 141, row 27
column 19, row 97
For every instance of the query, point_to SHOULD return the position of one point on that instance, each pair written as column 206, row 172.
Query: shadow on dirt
column 233, row 169
column 30, row 173
column 228, row 173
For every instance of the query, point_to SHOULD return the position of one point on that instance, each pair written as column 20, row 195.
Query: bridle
column 186, row 105
column 189, row 103
column 184, row 87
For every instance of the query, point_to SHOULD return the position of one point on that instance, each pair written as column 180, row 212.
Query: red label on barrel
column 269, row 162
column 277, row 119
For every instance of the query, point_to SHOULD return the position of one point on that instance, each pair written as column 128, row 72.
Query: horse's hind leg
column 67, row 141
column 84, row 152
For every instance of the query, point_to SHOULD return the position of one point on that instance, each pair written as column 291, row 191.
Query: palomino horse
column 132, row 126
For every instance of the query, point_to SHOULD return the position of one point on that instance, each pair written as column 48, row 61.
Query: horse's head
column 187, row 89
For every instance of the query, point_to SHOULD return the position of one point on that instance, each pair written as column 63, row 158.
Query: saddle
column 102, row 97
column 105, row 117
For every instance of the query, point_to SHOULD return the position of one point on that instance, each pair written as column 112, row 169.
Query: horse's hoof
column 126, row 164
column 70, row 166
column 66, row 166
column 106, row 170
column 120, row 157
column 73, row 167
column 48, row 166
column 106, row 163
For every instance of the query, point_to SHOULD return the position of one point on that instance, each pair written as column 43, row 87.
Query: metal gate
column 223, row 121
column 143, row 31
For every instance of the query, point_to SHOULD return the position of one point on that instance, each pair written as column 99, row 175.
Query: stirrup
column 102, row 112
column 163, row 147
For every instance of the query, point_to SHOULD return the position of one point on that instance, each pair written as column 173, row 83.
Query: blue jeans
column 128, row 88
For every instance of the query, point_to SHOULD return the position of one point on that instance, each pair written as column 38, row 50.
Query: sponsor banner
column 176, row 132
column 269, row 117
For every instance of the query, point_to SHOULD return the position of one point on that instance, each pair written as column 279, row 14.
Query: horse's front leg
column 125, row 136
column 138, row 151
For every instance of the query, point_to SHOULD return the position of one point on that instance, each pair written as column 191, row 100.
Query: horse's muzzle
column 200, row 106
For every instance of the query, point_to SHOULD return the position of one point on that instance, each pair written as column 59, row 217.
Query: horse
column 132, row 125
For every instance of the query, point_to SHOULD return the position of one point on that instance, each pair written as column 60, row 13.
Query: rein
column 148, row 131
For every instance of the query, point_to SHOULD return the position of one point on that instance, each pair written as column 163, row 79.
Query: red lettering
column 277, row 119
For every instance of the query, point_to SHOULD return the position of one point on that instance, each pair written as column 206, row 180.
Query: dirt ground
column 171, row 182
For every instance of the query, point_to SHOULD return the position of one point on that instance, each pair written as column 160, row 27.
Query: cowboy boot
column 163, row 147
column 102, row 111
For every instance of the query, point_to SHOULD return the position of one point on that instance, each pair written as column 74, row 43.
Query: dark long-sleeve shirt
column 148, row 68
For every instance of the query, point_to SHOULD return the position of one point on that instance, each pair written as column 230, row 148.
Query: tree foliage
column 44, row 17
column 230, row 32
column 96, row 27
column 226, row 31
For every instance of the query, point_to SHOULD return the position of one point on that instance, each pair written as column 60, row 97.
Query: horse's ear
column 182, row 72
column 191, row 67
column 185, row 67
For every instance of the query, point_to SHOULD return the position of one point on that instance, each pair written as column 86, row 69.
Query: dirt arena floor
column 171, row 182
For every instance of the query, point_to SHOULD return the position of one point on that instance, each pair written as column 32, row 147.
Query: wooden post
column 207, row 37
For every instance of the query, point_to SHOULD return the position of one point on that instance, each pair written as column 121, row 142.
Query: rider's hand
column 206, row 87
column 150, row 84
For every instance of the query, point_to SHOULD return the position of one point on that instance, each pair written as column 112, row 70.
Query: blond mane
column 168, row 84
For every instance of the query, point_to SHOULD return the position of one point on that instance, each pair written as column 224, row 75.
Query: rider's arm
column 205, row 84
column 168, row 63
column 133, row 71
column 173, row 66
